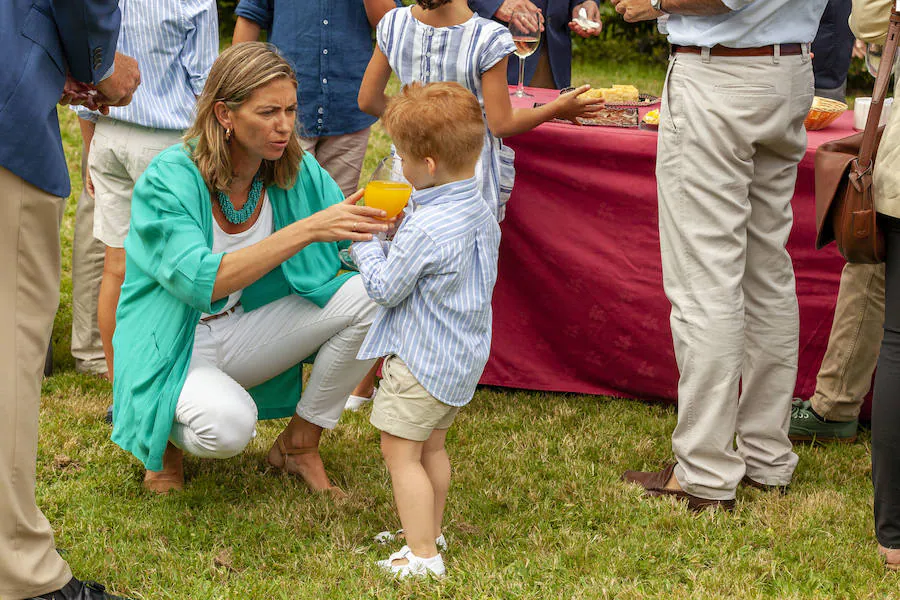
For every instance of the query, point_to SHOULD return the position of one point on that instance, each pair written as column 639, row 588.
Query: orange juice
column 389, row 196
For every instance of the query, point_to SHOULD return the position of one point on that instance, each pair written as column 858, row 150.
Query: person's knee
column 365, row 308
column 229, row 432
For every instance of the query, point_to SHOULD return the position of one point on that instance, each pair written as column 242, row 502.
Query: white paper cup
column 861, row 112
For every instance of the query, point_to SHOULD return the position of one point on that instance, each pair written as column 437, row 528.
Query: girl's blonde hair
column 236, row 74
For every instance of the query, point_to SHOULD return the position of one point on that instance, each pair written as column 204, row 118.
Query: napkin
column 586, row 23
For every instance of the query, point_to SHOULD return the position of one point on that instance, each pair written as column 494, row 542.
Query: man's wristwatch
column 657, row 6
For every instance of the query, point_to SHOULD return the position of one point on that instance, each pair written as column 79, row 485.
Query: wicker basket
column 823, row 113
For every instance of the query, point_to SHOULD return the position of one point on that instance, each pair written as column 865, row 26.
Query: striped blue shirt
column 434, row 283
column 175, row 43
column 461, row 53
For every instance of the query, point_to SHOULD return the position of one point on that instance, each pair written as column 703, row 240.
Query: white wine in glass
column 525, row 29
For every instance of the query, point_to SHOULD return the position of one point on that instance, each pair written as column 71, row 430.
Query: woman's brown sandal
column 335, row 492
column 171, row 478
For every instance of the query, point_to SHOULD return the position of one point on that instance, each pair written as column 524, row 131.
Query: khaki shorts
column 120, row 152
column 405, row 409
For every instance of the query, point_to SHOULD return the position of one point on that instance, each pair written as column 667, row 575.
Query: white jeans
column 215, row 416
column 731, row 136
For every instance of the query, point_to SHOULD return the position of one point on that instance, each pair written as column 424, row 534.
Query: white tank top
column 229, row 242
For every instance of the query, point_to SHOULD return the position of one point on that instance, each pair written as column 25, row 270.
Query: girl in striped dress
column 443, row 40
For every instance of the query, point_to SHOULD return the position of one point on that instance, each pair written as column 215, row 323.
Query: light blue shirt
column 750, row 24
column 434, row 284
column 175, row 43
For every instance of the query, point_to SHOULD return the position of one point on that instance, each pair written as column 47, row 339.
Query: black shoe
column 108, row 417
column 77, row 590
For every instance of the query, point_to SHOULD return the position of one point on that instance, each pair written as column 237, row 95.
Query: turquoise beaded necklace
column 237, row 217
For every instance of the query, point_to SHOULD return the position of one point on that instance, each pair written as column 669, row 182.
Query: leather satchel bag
column 845, row 207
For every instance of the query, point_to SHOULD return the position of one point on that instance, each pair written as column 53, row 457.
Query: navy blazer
column 40, row 40
column 556, row 36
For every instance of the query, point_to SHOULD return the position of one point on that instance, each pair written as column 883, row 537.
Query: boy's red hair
column 442, row 120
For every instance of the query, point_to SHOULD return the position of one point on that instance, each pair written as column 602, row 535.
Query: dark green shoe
column 806, row 426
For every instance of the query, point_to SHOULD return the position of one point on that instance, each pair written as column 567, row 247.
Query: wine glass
column 387, row 189
column 873, row 58
column 525, row 28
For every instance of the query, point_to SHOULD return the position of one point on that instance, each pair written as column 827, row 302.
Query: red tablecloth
column 579, row 304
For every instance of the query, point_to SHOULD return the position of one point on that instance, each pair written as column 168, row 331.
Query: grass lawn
column 536, row 508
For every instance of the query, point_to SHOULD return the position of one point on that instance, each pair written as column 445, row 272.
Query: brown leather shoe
column 781, row 489
column 654, row 484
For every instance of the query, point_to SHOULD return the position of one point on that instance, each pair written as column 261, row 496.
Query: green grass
column 536, row 507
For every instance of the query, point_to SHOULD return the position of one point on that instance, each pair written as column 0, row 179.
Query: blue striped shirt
column 461, row 53
column 434, row 283
column 175, row 43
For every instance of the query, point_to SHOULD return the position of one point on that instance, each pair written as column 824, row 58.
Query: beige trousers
column 29, row 295
column 730, row 138
column 341, row 155
column 845, row 375
column 87, row 271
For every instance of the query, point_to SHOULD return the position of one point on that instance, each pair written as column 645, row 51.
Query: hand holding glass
column 384, row 191
column 525, row 29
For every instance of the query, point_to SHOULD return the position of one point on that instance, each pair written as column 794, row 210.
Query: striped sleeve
column 390, row 279
column 201, row 44
column 384, row 32
column 497, row 46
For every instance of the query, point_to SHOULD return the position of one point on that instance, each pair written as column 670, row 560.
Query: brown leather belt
column 785, row 50
column 221, row 314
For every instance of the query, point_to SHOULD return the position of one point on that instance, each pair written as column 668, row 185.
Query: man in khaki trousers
column 739, row 86
column 43, row 40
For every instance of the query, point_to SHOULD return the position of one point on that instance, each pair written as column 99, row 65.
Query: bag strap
column 885, row 68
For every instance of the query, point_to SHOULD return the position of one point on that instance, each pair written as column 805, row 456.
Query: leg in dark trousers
column 886, row 405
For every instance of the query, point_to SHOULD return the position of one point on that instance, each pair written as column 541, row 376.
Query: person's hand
column 859, row 49
column 88, row 182
column 395, row 225
column 571, row 105
column 635, row 10
column 509, row 7
column 347, row 221
column 77, row 93
column 593, row 14
column 116, row 90
column 528, row 22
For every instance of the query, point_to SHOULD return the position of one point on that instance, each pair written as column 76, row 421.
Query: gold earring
column 228, row 135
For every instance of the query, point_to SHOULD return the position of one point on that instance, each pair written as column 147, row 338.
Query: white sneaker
column 389, row 536
column 354, row 403
column 416, row 567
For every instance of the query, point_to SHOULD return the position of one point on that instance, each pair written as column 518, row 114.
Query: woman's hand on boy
column 571, row 105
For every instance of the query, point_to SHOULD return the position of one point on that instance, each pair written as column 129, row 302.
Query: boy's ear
column 432, row 165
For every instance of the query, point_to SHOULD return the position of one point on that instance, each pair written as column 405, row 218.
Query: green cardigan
column 169, row 276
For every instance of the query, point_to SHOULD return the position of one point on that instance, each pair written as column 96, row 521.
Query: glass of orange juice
column 384, row 191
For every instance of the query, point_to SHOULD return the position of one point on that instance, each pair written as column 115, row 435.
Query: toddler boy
column 433, row 283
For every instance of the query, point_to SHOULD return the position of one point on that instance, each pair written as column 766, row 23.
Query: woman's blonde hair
column 237, row 73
